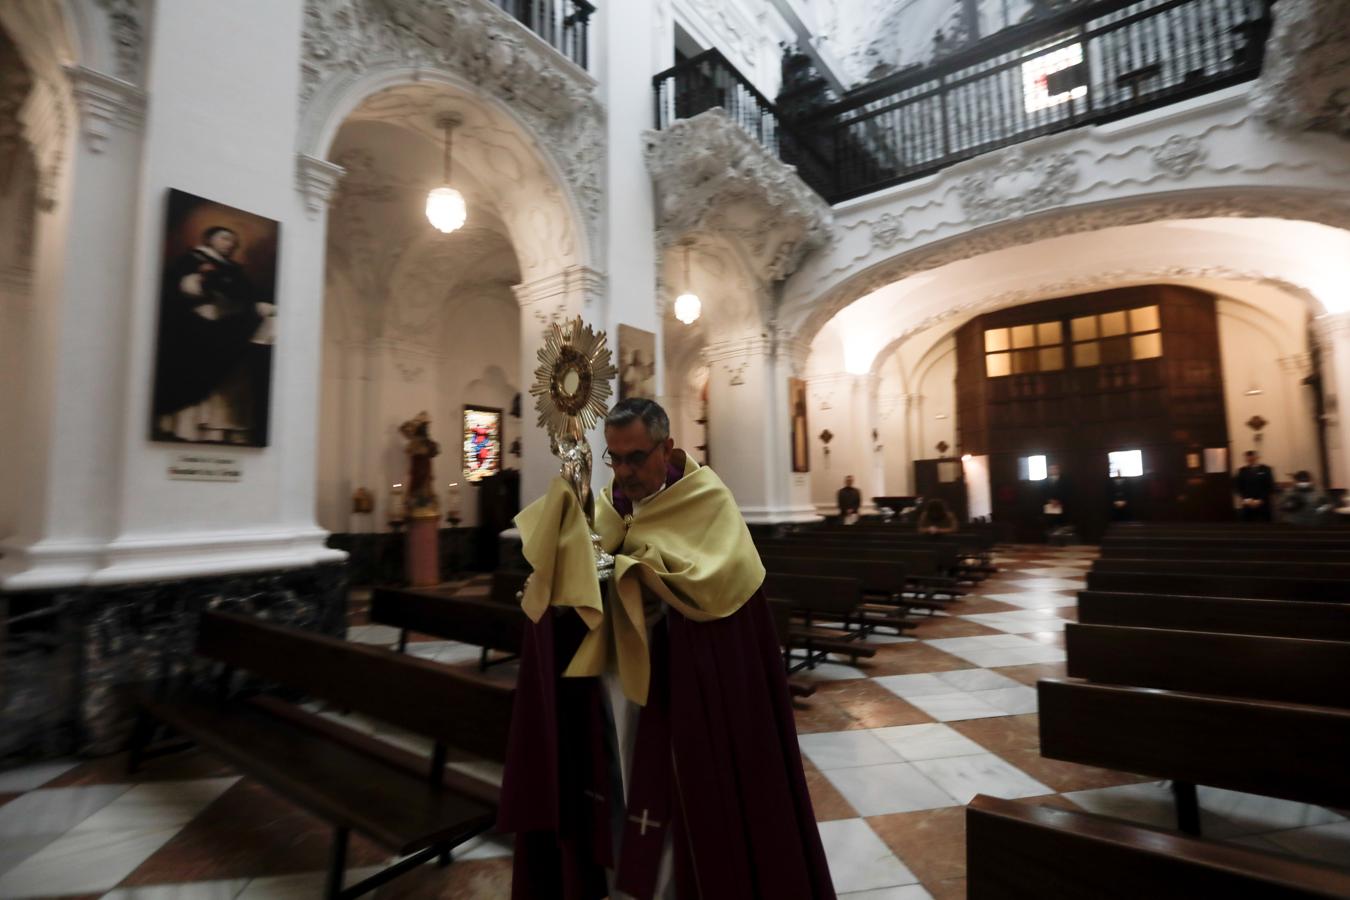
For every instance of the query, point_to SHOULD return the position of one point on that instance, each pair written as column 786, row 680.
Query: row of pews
column 1204, row 655
column 832, row 585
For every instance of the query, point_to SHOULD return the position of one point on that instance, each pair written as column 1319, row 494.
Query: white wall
column 1265, row 350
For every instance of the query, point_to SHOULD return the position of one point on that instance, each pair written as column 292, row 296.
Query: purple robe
column 716, row 761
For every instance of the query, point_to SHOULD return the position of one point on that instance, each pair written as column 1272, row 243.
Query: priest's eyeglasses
column 633, row 460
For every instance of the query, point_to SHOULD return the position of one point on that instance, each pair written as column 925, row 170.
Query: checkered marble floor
column 893, row 749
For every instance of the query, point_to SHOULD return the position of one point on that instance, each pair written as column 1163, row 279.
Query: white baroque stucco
column 713, row 177
column 348, row 41
column 1304, row 84
column 1205, row 158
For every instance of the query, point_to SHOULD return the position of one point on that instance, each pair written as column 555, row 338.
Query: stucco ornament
column 1016, row 185
column 127, row 35
column 711, row 175
column 346, row 39
column 1303, row 84
column 1179, row 155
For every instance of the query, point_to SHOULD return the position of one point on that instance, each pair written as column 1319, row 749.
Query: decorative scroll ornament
column 571, row 389
column 1017, row 185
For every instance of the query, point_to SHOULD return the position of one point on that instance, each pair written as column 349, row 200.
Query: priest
column 653, row 752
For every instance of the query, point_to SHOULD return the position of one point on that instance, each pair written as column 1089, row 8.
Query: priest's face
column 639, row 463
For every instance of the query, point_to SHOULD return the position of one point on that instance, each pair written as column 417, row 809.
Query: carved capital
column 1016, row 184
column 1299, row 364
column 712, row 176
column 105, row 103
column 585, row 283
column 317, row 180
column 745, row 348
column 1302, row 85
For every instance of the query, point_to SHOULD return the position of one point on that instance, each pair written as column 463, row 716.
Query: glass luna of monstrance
column 571, row 387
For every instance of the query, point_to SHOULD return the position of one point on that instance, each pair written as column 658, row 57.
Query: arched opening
column 1267, row 279
column 419, row 321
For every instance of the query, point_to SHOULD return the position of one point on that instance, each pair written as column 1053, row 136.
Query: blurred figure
column 1121, row 497
column 850, row 501
column 936, row 518
column 1302, row 504
column 1255, row 483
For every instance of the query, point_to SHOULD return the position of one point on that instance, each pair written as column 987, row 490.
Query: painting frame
column 216, row 326
column 480, row 453
column 637, row 363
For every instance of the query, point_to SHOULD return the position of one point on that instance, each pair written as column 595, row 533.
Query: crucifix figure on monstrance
column 571, row 387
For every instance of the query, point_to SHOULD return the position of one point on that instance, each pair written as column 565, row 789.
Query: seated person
column 936, row 518
column 1302, row 504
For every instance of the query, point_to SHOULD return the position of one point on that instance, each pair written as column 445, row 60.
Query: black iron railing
column 709, row 81
column 1091, row 64
column 565, row 24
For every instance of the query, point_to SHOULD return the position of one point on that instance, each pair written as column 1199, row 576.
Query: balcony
column 1091, row 64
column 564, row 24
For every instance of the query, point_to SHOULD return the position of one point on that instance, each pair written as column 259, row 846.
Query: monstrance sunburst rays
column 572, row 383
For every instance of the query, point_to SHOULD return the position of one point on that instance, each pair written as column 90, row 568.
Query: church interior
column 1014, row 331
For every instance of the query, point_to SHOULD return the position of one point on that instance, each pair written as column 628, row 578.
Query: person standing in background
column 850, row 501
column 1255, row 483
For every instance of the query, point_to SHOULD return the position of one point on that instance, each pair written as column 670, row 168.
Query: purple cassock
column 716, row 763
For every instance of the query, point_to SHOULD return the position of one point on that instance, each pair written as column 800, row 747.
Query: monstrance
column 571, row 387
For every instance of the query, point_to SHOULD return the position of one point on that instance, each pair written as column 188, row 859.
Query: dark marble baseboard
column 67, row 655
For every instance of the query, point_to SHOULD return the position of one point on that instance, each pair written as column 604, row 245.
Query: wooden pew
column 1169, row 551
column 1281, row 568
column 923, row 585
column 827, row 598
column 1018, row 851
column 353, row 781
column 482, row 622
column 1252, row 667
column 506, row 587
column 1197, row 546
column 1291, row 750
column 1325, row 590
column 1232, row 615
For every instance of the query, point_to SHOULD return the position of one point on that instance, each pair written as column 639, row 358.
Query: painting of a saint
column 482, row 442
column 217, row 324
column 801, row 436
column 637, row 363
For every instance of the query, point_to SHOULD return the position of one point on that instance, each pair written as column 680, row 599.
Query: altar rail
column 1091, row 64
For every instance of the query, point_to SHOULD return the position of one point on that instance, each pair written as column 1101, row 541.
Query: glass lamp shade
column 688, row 308
column 445, row 209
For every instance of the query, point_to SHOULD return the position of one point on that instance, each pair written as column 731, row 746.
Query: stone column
column 1333, row 333
column 751, row 429
column 75, row 389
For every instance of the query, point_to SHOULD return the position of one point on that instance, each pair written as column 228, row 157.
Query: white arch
column 337, row 100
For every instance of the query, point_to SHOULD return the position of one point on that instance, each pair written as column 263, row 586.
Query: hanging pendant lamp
column 446, row 209
column 687, row 306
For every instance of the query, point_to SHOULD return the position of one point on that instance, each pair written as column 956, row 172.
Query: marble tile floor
column 893, row 747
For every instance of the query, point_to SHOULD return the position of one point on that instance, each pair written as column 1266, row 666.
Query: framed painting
column 801, row 434
column 637, row 363
column 482, row 442
column 217, row 325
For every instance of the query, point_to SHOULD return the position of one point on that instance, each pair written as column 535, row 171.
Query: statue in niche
column 421, row 499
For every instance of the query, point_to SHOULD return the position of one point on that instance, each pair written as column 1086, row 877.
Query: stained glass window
column 482, row 442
